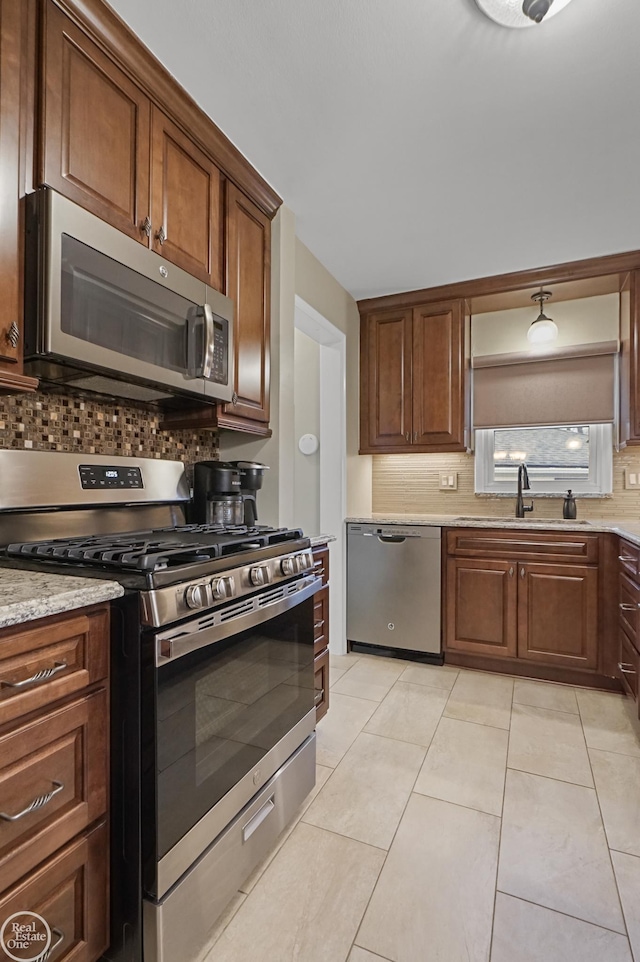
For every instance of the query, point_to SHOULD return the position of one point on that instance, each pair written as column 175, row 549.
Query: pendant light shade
column 516, row 13
column 543, row 329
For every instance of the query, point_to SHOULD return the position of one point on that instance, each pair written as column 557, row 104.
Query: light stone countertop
column 27, row 595
column 626, row 529
column 318, row 539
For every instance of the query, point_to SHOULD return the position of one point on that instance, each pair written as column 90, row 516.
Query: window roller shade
column 567, row 390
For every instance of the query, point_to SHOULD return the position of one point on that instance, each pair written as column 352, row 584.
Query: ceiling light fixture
column 543, row 329
column 521, row 13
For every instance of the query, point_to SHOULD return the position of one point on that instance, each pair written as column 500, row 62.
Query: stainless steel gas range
column 212, row 698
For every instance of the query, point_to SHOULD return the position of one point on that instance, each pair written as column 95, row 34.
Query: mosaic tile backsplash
column 57, row 422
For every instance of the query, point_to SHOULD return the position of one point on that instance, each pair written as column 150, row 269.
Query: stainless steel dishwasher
column 393, row 586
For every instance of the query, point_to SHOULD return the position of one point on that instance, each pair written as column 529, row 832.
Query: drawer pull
column 52, row 948
column 318, row 624
column 39, row 676
column 319, row 697
column 254, row 823
column 626, row 559
column 626, row 669
column 39, row 802
column 625, row 607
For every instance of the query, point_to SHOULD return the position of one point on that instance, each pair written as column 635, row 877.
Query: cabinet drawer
column 629, row 558
column 43, row 661
column 56, row 765
column 567, row 547
column 321, row 563
column 321, row 620
column 321, row 669
column 70, row 893
column 628, row 664
column 628, row 602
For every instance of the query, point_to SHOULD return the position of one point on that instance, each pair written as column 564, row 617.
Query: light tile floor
column 457, row 817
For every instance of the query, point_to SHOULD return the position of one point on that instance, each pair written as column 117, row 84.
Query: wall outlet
column 632, row 477
column 449, row 481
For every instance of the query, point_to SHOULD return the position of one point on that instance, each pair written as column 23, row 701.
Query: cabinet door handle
column 511, row 571
column 406, row 437
column 522, row 572
column 318, row 697
column 626, row 669
column 52, row 948
column 13, row 335
column 626, row 558
column 36, row 679
column 161, row 236
column 318, row 624
column 415, row 436
column 625, row 607
column 38, row 802
column 145, row 227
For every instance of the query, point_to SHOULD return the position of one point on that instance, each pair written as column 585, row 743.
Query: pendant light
column 521, row 13
column 543, row 329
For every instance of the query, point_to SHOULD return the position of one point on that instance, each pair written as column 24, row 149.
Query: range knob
column 196, row 596
column 260, row 575
column 288, row 566
column 223, row 588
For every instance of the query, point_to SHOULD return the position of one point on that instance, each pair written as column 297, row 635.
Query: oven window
column 109, row 305
column 222, row 708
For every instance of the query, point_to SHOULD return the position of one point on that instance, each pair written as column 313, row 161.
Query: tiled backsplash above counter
column 409, row 484
column 57, row 422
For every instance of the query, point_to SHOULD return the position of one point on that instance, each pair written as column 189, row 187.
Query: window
column 579, row 457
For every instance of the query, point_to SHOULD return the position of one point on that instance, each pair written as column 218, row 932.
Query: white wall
column 306, row 495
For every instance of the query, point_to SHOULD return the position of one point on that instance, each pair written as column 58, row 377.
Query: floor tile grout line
column 566, row 915
column 560, row 711
column 606, row 838
column 504, row 791
column 447, row 801
column 555, row 778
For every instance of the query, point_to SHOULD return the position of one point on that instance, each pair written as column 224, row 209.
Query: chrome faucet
column 523, row 482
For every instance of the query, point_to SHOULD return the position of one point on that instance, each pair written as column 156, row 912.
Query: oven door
column 233, row 698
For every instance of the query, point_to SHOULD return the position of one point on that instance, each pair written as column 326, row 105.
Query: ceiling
column 417, row 142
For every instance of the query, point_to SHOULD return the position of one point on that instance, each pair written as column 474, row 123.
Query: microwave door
column 113, row 305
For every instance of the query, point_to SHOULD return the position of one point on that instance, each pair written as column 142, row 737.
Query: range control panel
column 94, row 476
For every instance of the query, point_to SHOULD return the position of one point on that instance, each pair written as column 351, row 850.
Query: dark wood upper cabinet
column 386, row 369
column 95, row 136
column 186, row 203
column 13, row 25
column 248, row 277
column 438, row 376
column 413, row 380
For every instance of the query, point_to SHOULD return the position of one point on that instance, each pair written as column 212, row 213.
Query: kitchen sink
column 542, row 522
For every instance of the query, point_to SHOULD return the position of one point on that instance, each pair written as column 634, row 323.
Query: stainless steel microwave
column 104, row 314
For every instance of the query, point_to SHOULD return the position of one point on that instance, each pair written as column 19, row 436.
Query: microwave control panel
column 220, row 373
column 99, row 476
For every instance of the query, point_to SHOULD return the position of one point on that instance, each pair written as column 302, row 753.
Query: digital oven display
column 96, row 476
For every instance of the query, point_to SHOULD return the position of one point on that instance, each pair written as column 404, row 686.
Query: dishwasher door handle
column 392, row 538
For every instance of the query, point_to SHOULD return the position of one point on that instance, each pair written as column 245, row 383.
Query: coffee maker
column 251, row 477
column 217, row 498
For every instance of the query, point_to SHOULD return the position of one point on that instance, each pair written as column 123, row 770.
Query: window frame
column 599, row 483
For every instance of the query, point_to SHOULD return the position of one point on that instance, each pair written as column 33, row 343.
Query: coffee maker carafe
column 251, row 478
column 216, row 494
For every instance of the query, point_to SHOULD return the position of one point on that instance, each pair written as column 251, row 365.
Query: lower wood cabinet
column 321, row 632
column 539, row 613
column 54, row 778
column 628, row 622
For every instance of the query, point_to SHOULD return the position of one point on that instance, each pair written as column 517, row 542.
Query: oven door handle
column 183, row 642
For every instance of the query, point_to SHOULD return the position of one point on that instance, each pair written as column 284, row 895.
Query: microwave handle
column 209, row 342
column 195, row 367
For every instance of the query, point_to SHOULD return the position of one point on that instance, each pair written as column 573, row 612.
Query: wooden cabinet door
column 321, row 684
column 248, row 284
column 95, row 129
column 439, row 377
column 186, row 203
column 558, row 614
column 70, row 892
column 385, row 395
column 481, row 607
